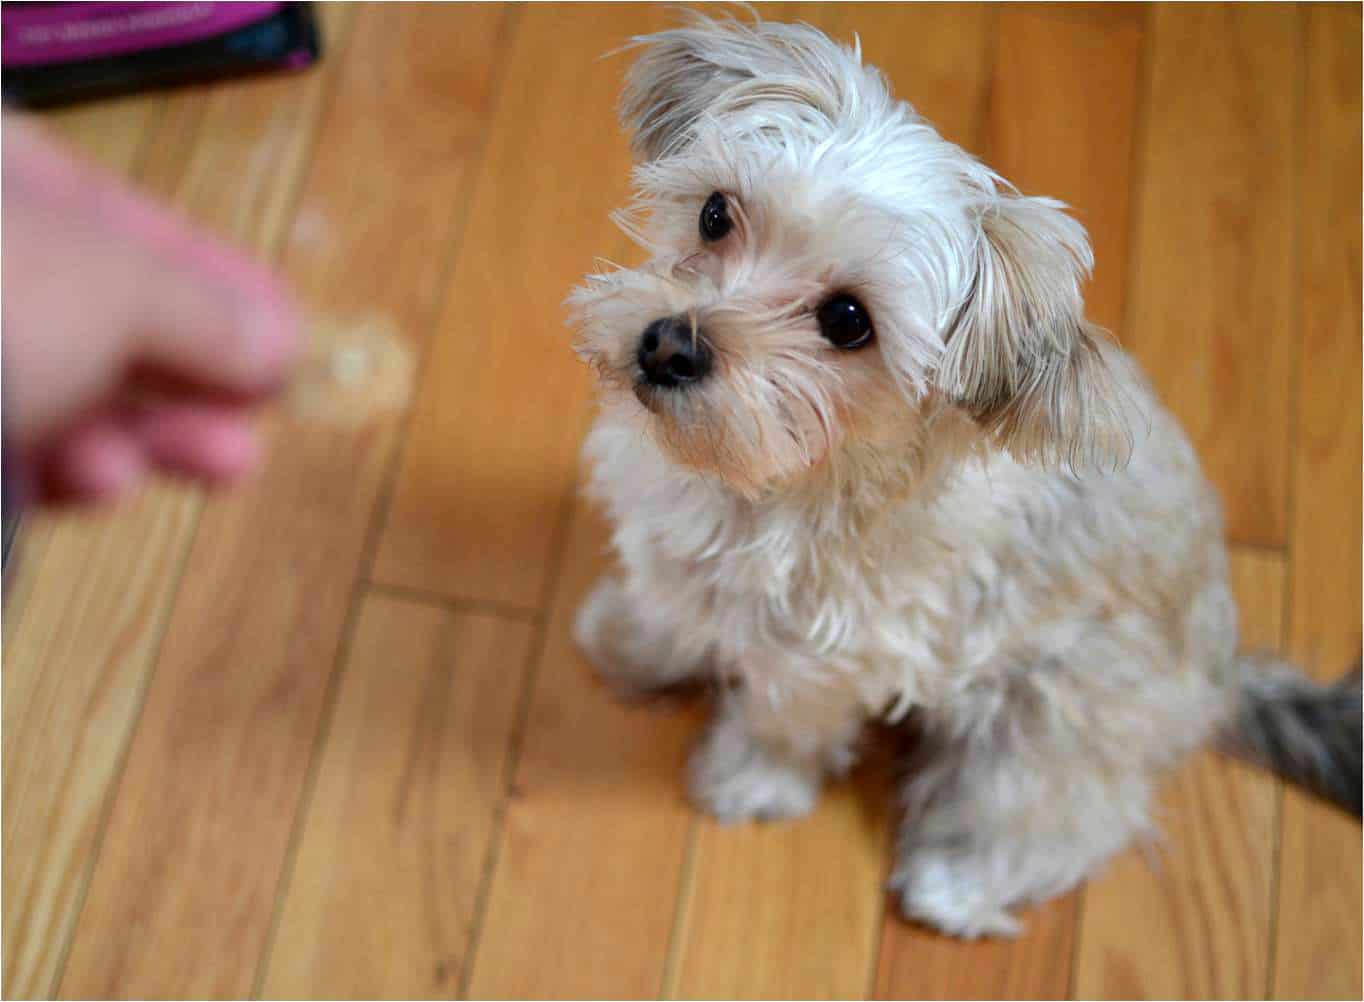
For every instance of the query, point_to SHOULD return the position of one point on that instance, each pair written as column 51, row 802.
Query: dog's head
column 827, row 271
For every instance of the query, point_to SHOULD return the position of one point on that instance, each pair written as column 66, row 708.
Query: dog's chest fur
column 910, row 601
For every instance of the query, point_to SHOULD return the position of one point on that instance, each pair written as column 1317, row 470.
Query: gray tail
column 1306, row 732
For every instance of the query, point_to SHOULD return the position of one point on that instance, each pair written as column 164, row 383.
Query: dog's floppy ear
column 684, row 73
column 1020, row 357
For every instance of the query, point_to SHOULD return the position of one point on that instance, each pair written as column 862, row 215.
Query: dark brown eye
column 715, row 221
column 844, row 322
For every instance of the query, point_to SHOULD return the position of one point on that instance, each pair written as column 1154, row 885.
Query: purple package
column 52, row 53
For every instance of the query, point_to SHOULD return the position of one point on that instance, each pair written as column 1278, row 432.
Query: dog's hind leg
column 985, row 832
column 1034, row 777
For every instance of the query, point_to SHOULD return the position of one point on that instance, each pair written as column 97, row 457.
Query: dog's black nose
column 673, row 353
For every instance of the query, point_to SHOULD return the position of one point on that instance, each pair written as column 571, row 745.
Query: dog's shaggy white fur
column 982, row 516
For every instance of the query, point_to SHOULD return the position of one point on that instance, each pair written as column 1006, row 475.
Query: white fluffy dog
column 866, row 458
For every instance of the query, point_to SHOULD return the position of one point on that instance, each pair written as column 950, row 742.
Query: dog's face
column 828, row 271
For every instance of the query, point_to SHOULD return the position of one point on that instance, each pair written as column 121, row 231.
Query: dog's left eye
column 844, row 322
column 715, row 221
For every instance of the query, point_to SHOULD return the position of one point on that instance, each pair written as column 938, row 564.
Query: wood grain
column 1062, row 123
column 184, row 891
column 493, row 450
column 382, row 901
column 789, row 910
column 1205, row 892
column 75, row 668
column 916, row 962
column 111, row 133
column 21, row 571
column 1211, row 313
column 596, row 828
column 944, row 73
column 107, row 583
column 1317, row 954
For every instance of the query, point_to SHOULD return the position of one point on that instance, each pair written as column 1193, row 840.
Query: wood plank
column 112, row 133
column 918, row 963
column 491, row 458
column 1212, row 304
column 105, row 584
column 1204, row 894
column 382, row 900
column 1317, row 951
column 1109, row 13
column 1060, row 121
column 75, row 668
column 21, row 571
column 184, row 891
column 789, row 910
column 591, row 856
column 945, row 74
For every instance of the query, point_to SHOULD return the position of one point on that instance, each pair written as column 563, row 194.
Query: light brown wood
column 1102, row 13
column 1062, row 123
column 75, row 668
column 1211, row 313
column 937, row 56
column 1317, row 954
column 589, row 869
column 22, row 571
column 112, row 134
column 493, row 449
column 395, row 839
column 1204, row 892
column 790, row 910
column 918, row 963
column 197, row 837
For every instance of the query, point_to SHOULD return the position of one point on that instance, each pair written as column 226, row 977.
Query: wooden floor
column 327, row 736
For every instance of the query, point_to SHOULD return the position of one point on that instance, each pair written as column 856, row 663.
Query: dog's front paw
column 598, row 629
column 735, row 779
column 946, row 892
column 637, row 660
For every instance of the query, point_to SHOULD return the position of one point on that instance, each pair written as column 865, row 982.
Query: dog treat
column 352, row 373
column 53, row 53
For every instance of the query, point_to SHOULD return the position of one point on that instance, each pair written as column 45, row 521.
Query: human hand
column 132, row 342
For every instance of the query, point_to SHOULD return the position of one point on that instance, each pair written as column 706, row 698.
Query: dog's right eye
column 715, row 221
column 844, row 322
